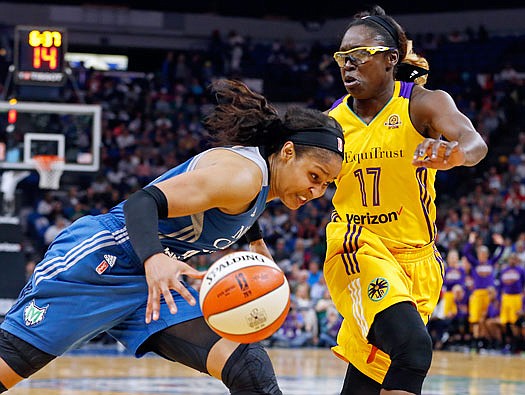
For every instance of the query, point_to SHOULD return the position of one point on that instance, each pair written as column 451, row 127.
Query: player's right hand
column 162, row 276
column 438, row 154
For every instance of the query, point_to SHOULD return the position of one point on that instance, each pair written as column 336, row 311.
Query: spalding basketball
column 244, row 297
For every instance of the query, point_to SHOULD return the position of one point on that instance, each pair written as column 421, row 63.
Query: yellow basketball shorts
column 450, row 309
column 364, row 278
column 478, row 305
column 511, row 305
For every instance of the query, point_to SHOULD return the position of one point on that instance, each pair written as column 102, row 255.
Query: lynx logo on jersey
column 393, row 122
column 378, row 288
column 34, row 314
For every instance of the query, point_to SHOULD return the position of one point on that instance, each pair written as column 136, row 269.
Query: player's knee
column 250, row 371
column 410, row 363
column 414, row 354
column 400, row 332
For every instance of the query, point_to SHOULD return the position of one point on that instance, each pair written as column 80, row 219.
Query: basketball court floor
column 300, row 372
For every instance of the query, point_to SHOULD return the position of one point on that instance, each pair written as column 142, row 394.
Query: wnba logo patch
column 257, row 318
column 378, row 288
column 393, row 122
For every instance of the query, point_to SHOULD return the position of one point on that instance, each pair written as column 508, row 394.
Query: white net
column 50, row 169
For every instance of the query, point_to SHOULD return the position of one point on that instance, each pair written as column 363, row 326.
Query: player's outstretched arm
column 452, row 139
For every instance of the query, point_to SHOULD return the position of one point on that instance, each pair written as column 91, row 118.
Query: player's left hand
column 438, row 154
column 162, row 276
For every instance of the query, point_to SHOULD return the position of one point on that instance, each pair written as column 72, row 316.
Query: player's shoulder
column 232, row 165
column 337, row 103
column 421, row 93
column 226, row 156
column 428, row 98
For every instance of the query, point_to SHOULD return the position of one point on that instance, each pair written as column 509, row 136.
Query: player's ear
column 392, row 59
column 288, row 151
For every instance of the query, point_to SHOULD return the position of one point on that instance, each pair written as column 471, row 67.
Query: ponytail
column 414, row 68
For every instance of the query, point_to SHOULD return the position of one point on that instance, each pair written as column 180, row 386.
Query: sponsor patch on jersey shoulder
column 378, row 288
column 34, row 314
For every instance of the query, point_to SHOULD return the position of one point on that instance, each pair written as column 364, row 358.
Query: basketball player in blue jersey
column 382, row 268
column 120, row 272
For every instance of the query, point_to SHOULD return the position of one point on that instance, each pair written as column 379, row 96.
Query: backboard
column 71, row 131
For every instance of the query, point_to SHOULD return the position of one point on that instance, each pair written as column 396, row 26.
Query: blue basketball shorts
column 90, row 281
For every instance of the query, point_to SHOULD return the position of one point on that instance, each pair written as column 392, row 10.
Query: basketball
column 244, row 297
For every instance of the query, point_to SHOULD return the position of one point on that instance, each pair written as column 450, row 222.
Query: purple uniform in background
column 453, row 276
column 512, row 280
column 482, row 273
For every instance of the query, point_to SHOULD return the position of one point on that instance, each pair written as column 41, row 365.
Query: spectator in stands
column 314, row 272
column 236, row 52
column 318, row 289
column 509, row 73
column 519, row 248
column 512, row 279
column 168, row 72
column 306, row 306
column 281, row 256
column 329, row 328
column 116, row 268
column 483, row 274
column 46, row 206
column 217, row 52
column 293, row 332
column 54, row 229
column 29, row 268
column 454, row 274
column 458, row 326
column 382, row 267
column 491, row 331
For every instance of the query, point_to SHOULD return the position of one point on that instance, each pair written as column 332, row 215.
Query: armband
column 254, row 233
column 142, row 211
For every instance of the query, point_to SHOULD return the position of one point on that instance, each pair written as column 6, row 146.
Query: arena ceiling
column 295, row 9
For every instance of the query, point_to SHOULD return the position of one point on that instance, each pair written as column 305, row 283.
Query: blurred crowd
column 152, row 122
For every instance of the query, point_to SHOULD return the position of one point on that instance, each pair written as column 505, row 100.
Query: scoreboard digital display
column 39, row 55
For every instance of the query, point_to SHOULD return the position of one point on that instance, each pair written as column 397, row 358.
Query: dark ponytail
column 244, row 117
column 241, row 116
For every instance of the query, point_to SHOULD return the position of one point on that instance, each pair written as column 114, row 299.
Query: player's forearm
column 474, row 148
column 260, row 247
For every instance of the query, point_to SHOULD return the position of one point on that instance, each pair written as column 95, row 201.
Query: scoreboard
column 39, row 55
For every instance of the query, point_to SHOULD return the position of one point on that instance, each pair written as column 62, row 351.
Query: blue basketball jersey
column 91, row 280
column 211, row 230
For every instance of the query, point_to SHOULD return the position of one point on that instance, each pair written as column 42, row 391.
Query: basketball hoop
column 50, row 169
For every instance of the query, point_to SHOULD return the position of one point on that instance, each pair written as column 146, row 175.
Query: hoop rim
column 47, row 157
column 44, row 162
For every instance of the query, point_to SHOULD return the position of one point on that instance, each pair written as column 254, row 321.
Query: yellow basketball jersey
column 378, row 187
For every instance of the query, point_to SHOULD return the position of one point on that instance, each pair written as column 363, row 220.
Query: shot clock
column 39, row 55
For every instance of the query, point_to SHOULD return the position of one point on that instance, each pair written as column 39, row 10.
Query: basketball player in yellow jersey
column 382, row 268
